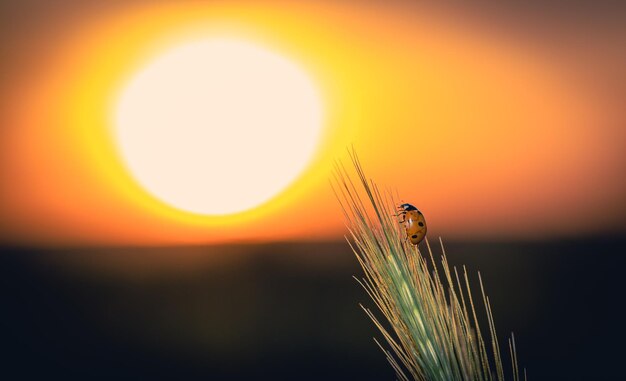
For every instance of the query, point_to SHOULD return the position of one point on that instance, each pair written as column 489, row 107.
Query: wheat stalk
column 432, row 329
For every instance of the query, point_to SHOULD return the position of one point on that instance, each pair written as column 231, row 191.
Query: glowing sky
column 494, row 122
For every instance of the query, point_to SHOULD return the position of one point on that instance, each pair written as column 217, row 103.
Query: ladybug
column 414, row 223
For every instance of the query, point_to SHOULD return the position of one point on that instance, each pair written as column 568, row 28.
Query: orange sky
column 491, row 130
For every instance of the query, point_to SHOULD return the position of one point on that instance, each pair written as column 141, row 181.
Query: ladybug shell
column 415, row 225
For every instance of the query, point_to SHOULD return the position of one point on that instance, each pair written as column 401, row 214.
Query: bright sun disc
column 217, row 126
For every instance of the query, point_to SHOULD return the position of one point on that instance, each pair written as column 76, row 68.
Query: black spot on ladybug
column 420, row 223
column 414, row 236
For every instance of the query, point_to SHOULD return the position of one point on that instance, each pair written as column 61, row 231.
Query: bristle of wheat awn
column 432, row 329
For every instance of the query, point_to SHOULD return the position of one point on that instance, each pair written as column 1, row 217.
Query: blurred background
column 288, row 311
column 503, row 123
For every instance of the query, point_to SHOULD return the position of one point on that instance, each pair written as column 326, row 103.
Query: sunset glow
column 481, row 133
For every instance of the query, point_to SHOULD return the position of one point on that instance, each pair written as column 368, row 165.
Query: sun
column 218, row 126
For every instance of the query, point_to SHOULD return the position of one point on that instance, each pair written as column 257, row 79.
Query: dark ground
column 288, row 312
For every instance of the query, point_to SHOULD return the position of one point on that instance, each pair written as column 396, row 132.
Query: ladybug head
column 407, row 207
